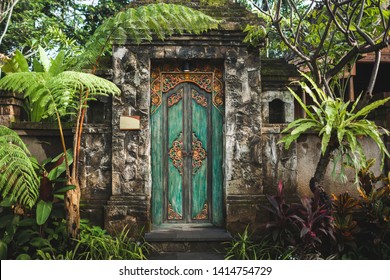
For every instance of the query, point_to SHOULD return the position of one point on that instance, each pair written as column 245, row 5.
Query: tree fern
column 143, row 24
column 57, row 93
column 17, row 175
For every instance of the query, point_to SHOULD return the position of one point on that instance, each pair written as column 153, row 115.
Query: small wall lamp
column 186, row 66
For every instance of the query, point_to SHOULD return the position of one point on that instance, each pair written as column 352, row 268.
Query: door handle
column 186, row 154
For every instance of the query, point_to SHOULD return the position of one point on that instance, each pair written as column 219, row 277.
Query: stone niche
column 278, row 107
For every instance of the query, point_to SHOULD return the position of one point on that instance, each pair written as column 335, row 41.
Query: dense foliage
column 348, row 228
column 55, row 24
column 326, row 36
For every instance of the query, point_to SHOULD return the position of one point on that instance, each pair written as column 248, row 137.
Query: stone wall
column 308, row 153
column 11, row 105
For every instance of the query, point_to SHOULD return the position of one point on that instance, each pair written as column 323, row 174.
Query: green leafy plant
column 61, row 93
column 144, row 23
column 244, row 247
column 96, row 244
column 53, row 186
column 18, row 179
column 339, row 124
column 20, row 234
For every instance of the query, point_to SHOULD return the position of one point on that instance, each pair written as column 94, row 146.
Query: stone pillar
column 129, row 204
column 243, row 164
column 10, row 108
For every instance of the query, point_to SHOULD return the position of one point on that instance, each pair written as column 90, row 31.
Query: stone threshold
column 188, row 233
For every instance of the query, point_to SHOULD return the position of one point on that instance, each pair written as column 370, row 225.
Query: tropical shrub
column 362, row 225
column 26, row 227
column 339, row 125
column 282, row 225
column 243, row 247
column 96, row 244
column 304, row 226
column 21, row 236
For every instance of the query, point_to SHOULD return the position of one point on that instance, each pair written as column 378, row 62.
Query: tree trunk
column 72, row 208
column 316, row 180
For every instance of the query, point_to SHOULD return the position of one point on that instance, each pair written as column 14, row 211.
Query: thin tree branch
column 8, row 20
column 260, row 9
column 316, row 72
column 365, row 36
column 323, row 39
column 374, row 73
column 344, row 2
column 360, row 16
column 276, row 23
column 332, row 15
column 301, row 19
column 352, row 53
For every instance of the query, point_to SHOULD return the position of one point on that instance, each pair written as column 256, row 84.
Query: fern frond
column 141, row 24
column 17, row 175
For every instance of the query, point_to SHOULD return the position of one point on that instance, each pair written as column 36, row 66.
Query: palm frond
column 17, row 175
column 143, row 24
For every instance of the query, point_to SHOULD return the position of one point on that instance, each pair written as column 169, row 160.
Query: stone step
column 188, row 242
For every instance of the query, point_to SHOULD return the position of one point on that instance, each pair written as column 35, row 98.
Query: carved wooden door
column 187, row 159
column 187, row 173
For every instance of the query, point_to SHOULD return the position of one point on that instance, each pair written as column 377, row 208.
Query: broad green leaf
column 287, row 140
column 17, row 63
column 45, row 61
column 303, row 105
column 43, row 211
column 40, row 242
column 23, row 257
column 325, row 142
column 59, row 196
column 303, row 127
column 37, row 66
column 3, row 250
column 367, row 109
column 57, row 64
column 64, row 189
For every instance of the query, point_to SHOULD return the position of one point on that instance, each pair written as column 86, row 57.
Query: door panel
column 175, row 162
column 200, row 105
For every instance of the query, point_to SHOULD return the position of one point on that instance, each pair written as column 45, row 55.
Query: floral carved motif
column 200, row 99
column 175, row 98
column 199, row 154
column 204, row 214
column 175, row 153
column 172, row 215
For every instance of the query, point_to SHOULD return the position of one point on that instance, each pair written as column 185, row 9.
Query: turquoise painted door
column 187, row 158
